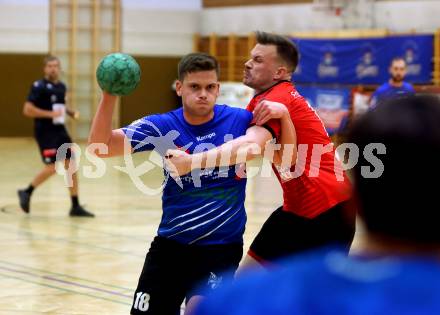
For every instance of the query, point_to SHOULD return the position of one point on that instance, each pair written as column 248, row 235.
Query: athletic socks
column 75, row 202
column 30, row 189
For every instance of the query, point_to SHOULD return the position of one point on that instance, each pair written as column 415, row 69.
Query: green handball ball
column 118, row 74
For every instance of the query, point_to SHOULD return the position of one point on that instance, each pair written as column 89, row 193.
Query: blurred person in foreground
column 397, row 269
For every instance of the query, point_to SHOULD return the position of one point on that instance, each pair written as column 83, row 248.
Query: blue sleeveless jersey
column 206, row 206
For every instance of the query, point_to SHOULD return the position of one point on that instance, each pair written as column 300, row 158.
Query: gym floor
column 53, row 264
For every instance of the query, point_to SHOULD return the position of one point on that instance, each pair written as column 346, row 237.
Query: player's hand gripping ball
column 118, row 74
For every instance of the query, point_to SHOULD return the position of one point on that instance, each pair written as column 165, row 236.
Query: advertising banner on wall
column 331, row 105
column 363, row 61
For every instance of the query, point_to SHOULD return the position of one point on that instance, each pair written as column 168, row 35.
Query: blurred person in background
column 396, row 86
column 46, row 105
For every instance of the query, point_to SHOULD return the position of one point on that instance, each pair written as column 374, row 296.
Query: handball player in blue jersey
column 46, row 104
column 201, row 231
column 396, row 268
column 396, row 86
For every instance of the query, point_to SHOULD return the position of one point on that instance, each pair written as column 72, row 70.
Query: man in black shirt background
column 46, row 104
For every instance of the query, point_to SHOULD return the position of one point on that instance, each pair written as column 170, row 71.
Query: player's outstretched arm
column 254, row 143
column 287, row 153
column 101, row 130
column 236, row 151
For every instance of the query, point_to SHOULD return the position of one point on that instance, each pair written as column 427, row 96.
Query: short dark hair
column 286, row 48
column 195, row 62
column 402, row 203
column 399, row 58
column 50, row 58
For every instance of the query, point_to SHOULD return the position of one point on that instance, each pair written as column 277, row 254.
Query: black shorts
column 173, row 271
column 49, row 141
column 285, row 233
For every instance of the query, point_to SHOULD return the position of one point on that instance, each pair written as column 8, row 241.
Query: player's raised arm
column 117, row 74
column 101, row 130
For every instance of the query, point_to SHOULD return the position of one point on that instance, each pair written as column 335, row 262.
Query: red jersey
column 317, row 181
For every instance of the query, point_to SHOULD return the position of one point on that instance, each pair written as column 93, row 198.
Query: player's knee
column 51, row 168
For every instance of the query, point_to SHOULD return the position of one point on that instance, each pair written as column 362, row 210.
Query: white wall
column 149, row 27
column 401, row 16
column 159, row 27
column 158, row 32
column 24, row 26
column 275, row 18
column 166, row 27
column 164, row 4
column 421, row 15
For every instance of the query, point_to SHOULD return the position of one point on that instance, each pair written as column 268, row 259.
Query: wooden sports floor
column 53, row 264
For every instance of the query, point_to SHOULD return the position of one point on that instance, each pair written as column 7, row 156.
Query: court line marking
column 50, row 278
column 64, row 289
column 66, row 240
column 4, row 209
column 65, row 275
column 87, row 286
column 78, row 227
